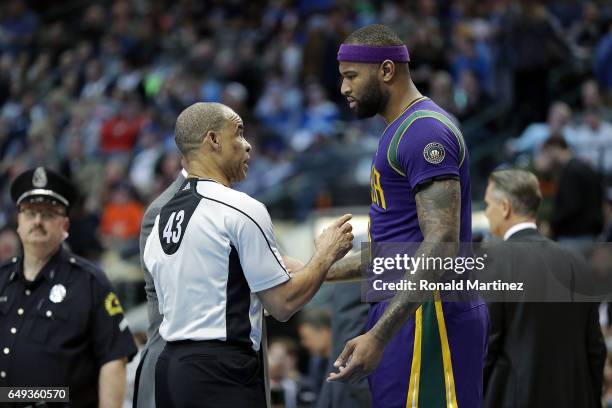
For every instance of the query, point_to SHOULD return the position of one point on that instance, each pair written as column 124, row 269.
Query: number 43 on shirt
column 173, row 229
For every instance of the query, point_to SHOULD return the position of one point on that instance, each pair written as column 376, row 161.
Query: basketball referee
column 214, row 262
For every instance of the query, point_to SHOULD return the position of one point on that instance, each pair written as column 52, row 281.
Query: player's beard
column 373, row 100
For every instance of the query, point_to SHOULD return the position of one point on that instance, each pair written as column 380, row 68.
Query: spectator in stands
column 319, row 118
column 19, row 26
column 531, row 60
column 469, row 96
column 441, row 91
column 5, row 77
column 235, row 96
column 166, row 168
column 320, row 47
column 279, row 107
column 427, row 46
column 558, row 122
column 83, row 238
column 82, row 170
column 142, row 169
column 593, row 141
column 286, row 383
column 122, row 215
column 10, row 143
column 470, row 56
column 602, row 62
column 95, row 82
column 591, row 99
column 10, row 245
column 315, row 335
column 577, row 217
column 119, row 133
column 584, row 33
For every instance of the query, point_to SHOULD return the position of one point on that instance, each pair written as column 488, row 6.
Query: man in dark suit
column 539, row 354
column 349, row 315
column 144, row 392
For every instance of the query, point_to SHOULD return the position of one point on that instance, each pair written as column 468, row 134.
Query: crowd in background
column 93, row 89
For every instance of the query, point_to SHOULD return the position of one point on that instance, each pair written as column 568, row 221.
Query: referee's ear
column 214, row 139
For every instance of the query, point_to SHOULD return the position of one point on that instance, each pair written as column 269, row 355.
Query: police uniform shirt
column 211, row 249
column 59, row 329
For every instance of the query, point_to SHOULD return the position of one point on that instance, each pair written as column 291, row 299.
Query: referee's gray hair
column 520, row 187
column 195, row 121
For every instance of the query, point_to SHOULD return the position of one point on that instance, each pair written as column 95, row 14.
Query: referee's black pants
column 208, row 374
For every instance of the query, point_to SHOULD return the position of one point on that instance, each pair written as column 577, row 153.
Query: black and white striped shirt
column 211, row 249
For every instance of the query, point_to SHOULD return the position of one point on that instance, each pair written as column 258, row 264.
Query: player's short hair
column 374, row 35
column 195, row 121
column 520, row 187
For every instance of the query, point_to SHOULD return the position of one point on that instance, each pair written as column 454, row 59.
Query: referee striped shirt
column 211, row 249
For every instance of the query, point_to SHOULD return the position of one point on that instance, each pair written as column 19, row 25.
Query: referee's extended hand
column 336, row 240
column 359, row 358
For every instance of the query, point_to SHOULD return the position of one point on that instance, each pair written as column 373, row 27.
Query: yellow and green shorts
column 436, row 360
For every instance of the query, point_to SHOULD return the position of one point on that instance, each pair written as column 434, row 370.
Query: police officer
column 61, row 324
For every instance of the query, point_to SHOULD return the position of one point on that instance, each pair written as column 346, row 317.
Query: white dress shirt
column 519, row 227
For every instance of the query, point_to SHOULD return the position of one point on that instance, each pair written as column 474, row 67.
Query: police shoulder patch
column 434, row 153
column 112, row 305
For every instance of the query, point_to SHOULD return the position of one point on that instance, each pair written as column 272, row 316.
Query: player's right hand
column 336, row 240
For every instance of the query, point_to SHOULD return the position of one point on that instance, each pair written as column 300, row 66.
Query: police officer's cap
column 43, row 185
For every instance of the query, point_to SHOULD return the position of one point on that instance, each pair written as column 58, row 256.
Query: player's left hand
column 359, row 358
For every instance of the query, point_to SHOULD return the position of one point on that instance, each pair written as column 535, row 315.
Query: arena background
column 93, row 89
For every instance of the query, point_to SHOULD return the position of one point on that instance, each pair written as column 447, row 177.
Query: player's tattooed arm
column 438, row 209
column 347, row 269
column 439, row 212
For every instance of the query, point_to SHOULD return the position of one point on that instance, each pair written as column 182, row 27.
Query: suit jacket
column 543, row 354
column 349, row 316
column 578, row 210
column 144, row 395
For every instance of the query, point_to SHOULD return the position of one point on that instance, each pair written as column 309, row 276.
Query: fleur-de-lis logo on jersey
column 434, row 153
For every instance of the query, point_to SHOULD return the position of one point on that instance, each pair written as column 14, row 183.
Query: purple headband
column 369, row 54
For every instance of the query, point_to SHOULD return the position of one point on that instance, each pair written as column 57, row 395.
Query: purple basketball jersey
column 437, row 358
column 421, row 144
